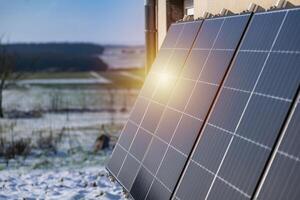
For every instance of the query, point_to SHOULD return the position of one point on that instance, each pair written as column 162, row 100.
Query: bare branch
column 7, row 67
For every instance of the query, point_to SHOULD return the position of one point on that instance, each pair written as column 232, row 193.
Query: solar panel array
column 248, row 116
column 212, row 111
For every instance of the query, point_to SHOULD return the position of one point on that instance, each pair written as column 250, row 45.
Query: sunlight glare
column 164, row 79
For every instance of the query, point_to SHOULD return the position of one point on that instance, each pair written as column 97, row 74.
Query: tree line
column 56, row 56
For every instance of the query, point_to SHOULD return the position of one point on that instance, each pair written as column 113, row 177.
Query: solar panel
column 135, row 138
column 249, row 113
column 187, row 108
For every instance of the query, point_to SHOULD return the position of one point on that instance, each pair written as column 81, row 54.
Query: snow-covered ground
column 41, row 98
column 97, row 80
column 73, row 170
column 83, row 183
column 74, row 173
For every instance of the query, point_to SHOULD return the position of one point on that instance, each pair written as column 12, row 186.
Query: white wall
column 236, row 6
column 161, row 21
column 212, row 6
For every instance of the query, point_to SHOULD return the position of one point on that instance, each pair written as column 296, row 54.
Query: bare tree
column 7, row 75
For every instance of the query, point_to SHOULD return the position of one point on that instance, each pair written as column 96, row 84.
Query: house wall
column 161, row 21
column 168, row 11
column 212, row 6
column 236, row 6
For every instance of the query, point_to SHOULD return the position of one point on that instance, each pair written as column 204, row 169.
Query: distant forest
column 57, row 57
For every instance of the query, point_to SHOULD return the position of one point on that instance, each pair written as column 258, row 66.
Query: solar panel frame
column 233, row 133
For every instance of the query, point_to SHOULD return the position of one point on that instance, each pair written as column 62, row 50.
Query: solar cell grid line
column 282, row 173
column 186, row 42
column 116, row 162
column 171, row 148
column 238, row 120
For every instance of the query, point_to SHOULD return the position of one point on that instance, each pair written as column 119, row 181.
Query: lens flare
column 164, row 79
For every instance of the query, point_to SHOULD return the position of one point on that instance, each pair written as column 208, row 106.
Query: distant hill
column 57, row 56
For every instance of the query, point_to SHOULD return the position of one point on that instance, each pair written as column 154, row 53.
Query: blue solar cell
column 221, row 190
column 158, row 191
column 195, row 63
column 186, row 134
column 208, row 34
column 152, row 117
column 168, row 124
column 283, row 180
column 228, row 109
column 115, row 164
column 263, row 119
column 214, row 143
column 262, row 31
column 184, row 87
column 138, row 110
column 195, row 183
column 201, row 99
column 172, row 36
column 169, row 172
column 155, row 155
column 281, row 70
column 128, row 135
column 140, row 144
column 128, row 172
column 231, row 32
column 243, row 164
column 189, row 32
column 245, row 69
column 288, row 39
column 216, row 66
column 142, row 183
column 291, row 139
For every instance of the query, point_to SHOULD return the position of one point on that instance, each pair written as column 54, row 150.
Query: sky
column 96, row 21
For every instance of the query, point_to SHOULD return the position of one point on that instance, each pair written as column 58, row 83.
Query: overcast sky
column 97, row 21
